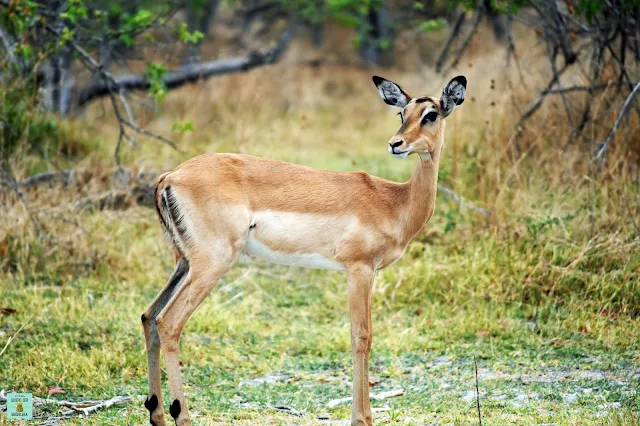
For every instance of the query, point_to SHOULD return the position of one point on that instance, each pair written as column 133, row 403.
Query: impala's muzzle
column 396, row 150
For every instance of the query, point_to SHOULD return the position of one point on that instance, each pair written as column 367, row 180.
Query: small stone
column 468, row 396
column 264, row 379
column 571, row 398
column 614, row 405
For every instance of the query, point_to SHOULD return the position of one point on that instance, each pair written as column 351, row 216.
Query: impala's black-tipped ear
column 391, row 93
column 453, row 94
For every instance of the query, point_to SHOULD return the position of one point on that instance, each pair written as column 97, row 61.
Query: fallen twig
column 82, row 407
column 89, row 407
column 379, row 396
column 288, row 410
column 475, row 362
column 269, row 379
column 14, row 335
column 387, row 394
column 461, row 201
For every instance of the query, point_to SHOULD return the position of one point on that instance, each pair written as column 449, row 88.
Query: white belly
column 305, row 260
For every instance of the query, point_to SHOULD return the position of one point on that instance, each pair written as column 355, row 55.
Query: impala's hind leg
column 152, row 340
column 205, row 270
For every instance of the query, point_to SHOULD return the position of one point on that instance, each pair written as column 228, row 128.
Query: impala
column 216, row 206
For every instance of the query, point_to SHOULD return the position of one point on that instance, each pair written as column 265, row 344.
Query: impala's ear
column 453, row 94
column 391, row 93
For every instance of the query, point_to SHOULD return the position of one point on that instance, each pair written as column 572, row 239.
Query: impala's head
column 422, row 118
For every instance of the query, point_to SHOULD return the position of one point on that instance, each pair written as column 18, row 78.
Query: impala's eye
column 401, row 119
column 430, row 117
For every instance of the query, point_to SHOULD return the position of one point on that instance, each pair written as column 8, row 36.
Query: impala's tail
column 171, row 218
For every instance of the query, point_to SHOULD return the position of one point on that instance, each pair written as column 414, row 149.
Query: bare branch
column 602, row 153
column 511, row 50
column 9, row 181
column 9, row 45
column 123, row 99
column 48, row 178
column 565, row 101
column 577, row 89
column 188, row 73
column 112, row 85
column 474, row 26
column 534, row 106
column 452, row 36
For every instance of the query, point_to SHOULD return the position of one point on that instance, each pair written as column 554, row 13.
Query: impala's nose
column 395, row 144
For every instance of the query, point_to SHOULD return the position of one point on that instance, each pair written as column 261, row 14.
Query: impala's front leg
column 360, row 282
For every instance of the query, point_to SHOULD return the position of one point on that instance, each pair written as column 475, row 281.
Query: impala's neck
column 422, row 189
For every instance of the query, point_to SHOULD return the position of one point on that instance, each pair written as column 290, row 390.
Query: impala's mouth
column 398, row 153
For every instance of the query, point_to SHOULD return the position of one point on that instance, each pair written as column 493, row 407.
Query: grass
column 545, row 294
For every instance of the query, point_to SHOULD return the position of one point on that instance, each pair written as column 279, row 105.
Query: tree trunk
column 317, row 34
column 66, row 81
column 200, row 15
column 496, row 19
column 51, row 91
column 374, row 33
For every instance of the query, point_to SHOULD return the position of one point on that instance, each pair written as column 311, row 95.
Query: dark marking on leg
column 182, row 268
column 143, row 318
column 151, row 404
column 175, row 409
column 174, row 212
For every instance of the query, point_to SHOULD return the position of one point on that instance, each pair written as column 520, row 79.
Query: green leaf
column 154, row 73
column 126, row 39
column 188, row 37
column 66, row 35
column 183, row 127
column 24, row 50
column 433, row 25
